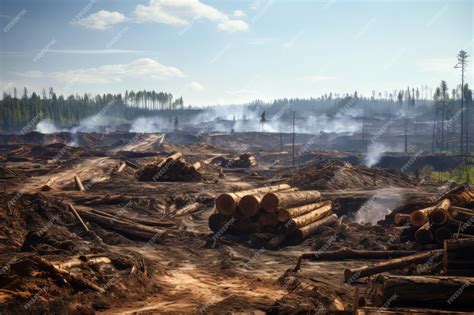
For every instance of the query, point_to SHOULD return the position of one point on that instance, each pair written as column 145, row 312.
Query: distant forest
column 18, row 112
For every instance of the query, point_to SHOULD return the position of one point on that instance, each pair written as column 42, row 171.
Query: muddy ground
column 184, row 268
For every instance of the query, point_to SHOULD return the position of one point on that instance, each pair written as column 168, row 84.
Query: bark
column 424, row 235
column 274, row 201
column 286, row 214
column 227, row 203
column 388, row 265
column 307, row 219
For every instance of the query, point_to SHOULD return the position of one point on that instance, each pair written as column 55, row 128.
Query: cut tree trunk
column 274, row 201
column 392, row 264
column 301, row 234
column 401, row 219
column 443, row 233
column 286, row 214
column 78, row 217
column 306, row 219
column 461, row 214
column 249, row 205
column 424, row 235
column 218, row 221
column 121, row 167
column 227, row 203
column 441, row 291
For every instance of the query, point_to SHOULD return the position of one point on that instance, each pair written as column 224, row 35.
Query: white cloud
column 196, row 86
column 184, row 12
column 239, row 13
column 233, row 26
column 437, row 65
column 143, row 68
column 102, row 20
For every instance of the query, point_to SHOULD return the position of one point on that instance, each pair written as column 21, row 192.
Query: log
column 267, row 220
column 439, row 217
column 424, row 235
column 461, row 214
column 79, row 185
column 438, row 291
column 420, row 217
column 401, row 219
column 217, row 221
column 106, row 200
column 443, row 233
column 121, row 167
column 78, row 217
column 276, row 241
column 193, row 207
column 148, row 222
column 249, row 205
column 132, row 165
column 196, row 166
column 173, row 157
column 227, row 203
column 127, row 228
column 307, row 219
column 286, row 214
column 274, row 201
column 301, row 234
column 48, row 186
column 348, row 253
column 392, row 264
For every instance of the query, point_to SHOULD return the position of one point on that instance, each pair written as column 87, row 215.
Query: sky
column 231, row 52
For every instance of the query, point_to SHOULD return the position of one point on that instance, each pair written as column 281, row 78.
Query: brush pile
column 337, row 174
column 245, row 160
column 172, row 168
column 436, row 223
column 273, row 215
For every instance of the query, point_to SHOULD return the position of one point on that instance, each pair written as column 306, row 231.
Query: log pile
column 245, row 160
column 436, row 223
column 458, row 256
column 272, row 215
column 171, row 168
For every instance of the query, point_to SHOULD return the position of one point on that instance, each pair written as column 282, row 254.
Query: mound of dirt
column 335, row 174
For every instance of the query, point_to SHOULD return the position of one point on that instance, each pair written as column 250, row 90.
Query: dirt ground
column 186, row 269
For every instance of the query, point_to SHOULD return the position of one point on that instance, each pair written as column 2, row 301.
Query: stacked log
column 436, row 223
column 172, row 168
column 458, row 256
column 245, row 160
column 281, row 213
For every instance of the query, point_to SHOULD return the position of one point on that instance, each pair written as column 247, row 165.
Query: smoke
column 47, row 126
column 377, row 207
column 98, row 123
column 150, row 125
column 374, row 153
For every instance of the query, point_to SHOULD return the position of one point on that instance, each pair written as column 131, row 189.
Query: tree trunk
column 79, row 185
column 392, row 264
column 401, row 219
column 188, row 209
column 441, row 291
column 286, row 214
column 307, row 219
column 78, row 217
column 274, row 201
column 424, row 235
column 227, row 203
column 301, row 234
column 249, row 205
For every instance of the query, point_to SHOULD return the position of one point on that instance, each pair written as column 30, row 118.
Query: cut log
column 401, row 219
column 79, row 185
column 227, row 203
column 307, row 219
column 217, row 221
column 274, row 201
column 461, row 214
column 286, row 214
column 443, row 233
column 196, row 166
column 440, row 291
column 268, row 220
column 132, row 164
column 276, row 241
column 193, row 207
column 148, row 222
column 249, row 205
column 304, row 232
column 424, row 235
column 78, row 217
column 173, row 157
column 420, row 217
column 392, row 264
column 439, row 216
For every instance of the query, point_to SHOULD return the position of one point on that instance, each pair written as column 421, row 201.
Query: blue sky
column 219, row 52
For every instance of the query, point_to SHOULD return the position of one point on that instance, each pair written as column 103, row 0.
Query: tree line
column 18, row 111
